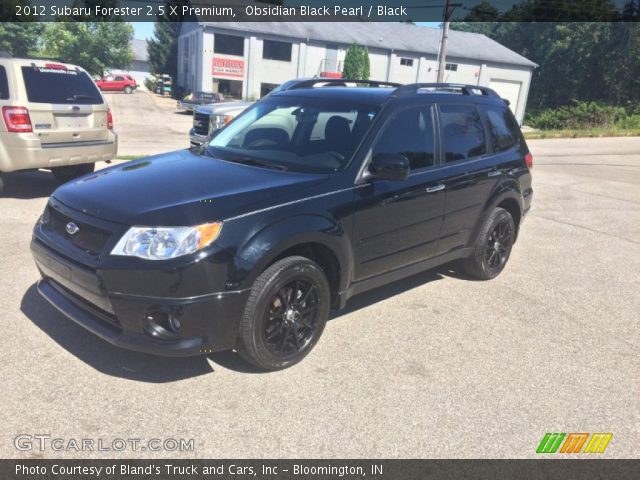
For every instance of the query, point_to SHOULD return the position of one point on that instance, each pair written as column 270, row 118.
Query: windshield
column 295, row 133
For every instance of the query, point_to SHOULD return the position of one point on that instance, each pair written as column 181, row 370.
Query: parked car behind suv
column 309, row 197
column 118, row 82
column 53, row 117
column 194, row 100
column 208, row 119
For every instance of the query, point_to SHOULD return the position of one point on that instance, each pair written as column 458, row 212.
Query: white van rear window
column 60, row 85
column 4, row 84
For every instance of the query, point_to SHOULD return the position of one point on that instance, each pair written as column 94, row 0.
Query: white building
column 140, row 69
column 248, row 59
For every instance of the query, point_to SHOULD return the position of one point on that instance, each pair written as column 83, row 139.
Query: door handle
column 435, row 188
column 494, row 173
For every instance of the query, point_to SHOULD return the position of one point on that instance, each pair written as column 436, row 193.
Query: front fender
column 270, row 242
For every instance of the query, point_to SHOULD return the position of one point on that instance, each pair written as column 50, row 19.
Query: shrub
column 582, row 115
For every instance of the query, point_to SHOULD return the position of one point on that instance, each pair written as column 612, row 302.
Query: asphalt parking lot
column 432, row 366
column 148, row 123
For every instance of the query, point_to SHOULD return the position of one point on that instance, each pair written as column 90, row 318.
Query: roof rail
column 413, row 88
column 340, row 82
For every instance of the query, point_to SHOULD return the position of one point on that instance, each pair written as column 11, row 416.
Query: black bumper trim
column 114, row 335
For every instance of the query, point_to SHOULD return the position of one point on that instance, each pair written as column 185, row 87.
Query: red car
column 119, row 82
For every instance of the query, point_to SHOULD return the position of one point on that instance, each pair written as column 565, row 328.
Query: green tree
column 631, row 11
column 483, row 12
column 589, row 61
column 366, row 64
column 356, row 63
column 163, row 48
column 20, row 39
column 95, row 46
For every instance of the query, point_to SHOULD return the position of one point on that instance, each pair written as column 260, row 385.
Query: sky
column 144, row 30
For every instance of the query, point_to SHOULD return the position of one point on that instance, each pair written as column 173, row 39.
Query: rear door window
column 503, row 128
column 4, row 84
column 409, row 133
column 58, row 85
column 463, row 134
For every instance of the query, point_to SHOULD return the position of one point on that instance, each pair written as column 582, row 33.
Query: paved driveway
column 147, row 123
column 433, row 366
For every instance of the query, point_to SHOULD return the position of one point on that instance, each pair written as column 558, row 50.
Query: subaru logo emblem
column 72, row 228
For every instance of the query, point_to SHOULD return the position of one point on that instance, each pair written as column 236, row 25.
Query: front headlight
column 162, row 243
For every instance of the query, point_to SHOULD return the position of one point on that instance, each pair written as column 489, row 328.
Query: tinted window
column 462, row 132
column 4, row 84
column 409, row 133
column 295, row 133
column 272, row 50
column 54, row 85
column 503, row 127
column 228, row 44
column 119, row 79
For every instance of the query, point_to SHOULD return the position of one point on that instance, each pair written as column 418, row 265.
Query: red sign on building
column 226, row 67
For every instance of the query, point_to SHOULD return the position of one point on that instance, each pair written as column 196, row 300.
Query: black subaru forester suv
column 306, row 199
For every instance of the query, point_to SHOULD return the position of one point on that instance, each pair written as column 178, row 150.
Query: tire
column 493, row 246
column 128, row 90
column 285, row 314
column 64, row 174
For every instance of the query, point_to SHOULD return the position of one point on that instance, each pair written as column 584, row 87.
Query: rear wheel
column 128, row 89
column 285, row 315
column 64, row 174
column 493, row 246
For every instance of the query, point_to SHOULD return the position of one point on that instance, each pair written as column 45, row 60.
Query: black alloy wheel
column 290, row 321
column 498, row 246
column 493, row 246
column 285, row 315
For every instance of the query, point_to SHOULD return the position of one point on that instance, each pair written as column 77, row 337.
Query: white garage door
column 507, row 89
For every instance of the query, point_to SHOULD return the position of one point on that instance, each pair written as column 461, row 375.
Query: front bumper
column 186, row 107
column 196, row 139
column 208, row 322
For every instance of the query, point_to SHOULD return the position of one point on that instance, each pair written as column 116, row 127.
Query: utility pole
column 442, row 53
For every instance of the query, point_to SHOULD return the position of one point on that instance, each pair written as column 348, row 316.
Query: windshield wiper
column 79, row 96
column 246, row 160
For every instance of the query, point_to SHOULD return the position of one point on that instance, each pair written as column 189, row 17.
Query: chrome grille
column 88, row 238
column 201, row 123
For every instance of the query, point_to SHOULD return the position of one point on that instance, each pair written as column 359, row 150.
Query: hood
column 180, row 188
column 224, row 108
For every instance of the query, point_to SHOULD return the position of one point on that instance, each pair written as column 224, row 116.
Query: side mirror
column 389, row 166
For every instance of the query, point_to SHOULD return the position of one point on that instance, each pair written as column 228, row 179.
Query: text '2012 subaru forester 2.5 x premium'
column 307, row 198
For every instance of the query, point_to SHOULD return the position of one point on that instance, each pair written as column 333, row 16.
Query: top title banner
column 321, row 10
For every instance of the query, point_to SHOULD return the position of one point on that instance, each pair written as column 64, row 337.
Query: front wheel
column 128, row 90
column 285, row 314
column 493, row 246
column 69, row 172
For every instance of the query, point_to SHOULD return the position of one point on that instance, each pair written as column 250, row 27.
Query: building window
column 451, row 66
column 228, row 45
column 265, row 88
column 407, row 62
column 228, row 88
column 272, row 50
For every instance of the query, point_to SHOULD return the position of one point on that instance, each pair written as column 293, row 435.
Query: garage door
column 507, row 89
